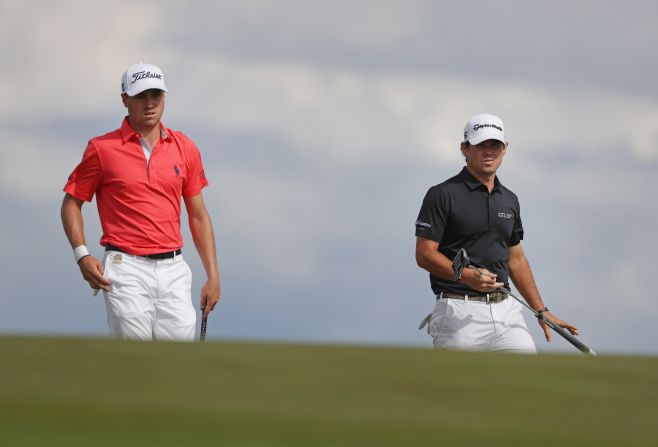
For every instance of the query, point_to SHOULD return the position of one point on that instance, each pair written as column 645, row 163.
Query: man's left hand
column 209, row 296
column 547, row 330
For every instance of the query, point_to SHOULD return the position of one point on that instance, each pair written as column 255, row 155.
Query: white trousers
column 474, row 325
column 150, row 299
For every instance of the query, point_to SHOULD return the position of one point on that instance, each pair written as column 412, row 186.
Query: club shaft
column 540, row 315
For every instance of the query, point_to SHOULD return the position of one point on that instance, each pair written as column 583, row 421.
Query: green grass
column 86, row 392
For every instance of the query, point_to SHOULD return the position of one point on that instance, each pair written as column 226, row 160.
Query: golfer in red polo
column 139, row 173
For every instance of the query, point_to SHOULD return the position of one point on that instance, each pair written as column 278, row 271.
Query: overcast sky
column 321, row 125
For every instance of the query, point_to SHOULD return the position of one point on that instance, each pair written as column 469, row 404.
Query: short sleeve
column 517, row 231
column 196, row 179
column 84, row 179
column 432, row 218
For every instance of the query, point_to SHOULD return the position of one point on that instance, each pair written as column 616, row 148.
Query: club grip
column 582, row 347
column 204, row 325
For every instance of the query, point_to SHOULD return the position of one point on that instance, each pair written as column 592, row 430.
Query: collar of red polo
column 127, row 132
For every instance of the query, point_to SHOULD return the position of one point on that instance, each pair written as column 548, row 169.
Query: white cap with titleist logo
column 484, row 127
column 140, row 77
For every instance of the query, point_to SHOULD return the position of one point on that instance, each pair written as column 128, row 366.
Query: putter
column 204, row 325
column 461, row 261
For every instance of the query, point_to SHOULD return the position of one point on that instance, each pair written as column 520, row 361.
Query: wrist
column 213, row 276
column 79, row 252
column 465, row 276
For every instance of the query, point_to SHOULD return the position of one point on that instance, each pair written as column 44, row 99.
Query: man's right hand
column 92, row 271
column 482, row 280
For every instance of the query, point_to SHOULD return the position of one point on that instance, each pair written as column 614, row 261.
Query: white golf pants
column 150, row 299
column 474, row 325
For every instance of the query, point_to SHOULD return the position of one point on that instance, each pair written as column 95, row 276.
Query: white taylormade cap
column 484, row 127
column 140, row 77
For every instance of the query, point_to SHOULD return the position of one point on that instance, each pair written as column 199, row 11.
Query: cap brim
column 136, row 90
column 488, row 134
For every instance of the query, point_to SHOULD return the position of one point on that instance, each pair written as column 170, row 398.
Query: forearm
column 524, row 281
column 204, row 241
column 72, row 221
column 435, row 262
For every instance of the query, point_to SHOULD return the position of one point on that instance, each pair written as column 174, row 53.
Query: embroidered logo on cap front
column 144, row 74
column 479, row 126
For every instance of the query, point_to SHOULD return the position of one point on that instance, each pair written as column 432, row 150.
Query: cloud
column 360, row 116
column 33, row 168
column 538, row 44
column 60, row 58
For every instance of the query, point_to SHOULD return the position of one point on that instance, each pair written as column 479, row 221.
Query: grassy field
column 86, row 392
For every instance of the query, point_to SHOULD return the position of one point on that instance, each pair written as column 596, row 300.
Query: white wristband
column 80, row 252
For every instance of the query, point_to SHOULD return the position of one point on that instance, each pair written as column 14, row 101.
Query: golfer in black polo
column 473, row 210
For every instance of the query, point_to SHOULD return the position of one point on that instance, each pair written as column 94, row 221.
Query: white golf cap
column 140, row 77
column 484, row 127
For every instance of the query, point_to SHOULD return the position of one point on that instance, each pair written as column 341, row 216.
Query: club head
column 459, row 263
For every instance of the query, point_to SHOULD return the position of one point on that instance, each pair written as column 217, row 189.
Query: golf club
column 461, row 261
column 204, row 325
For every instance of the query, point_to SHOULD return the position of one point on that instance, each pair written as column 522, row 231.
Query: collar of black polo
column 472, row 183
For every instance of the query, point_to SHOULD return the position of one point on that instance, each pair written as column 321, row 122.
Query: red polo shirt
column 139, row 204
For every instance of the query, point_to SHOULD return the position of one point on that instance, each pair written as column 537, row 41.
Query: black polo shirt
column 461, row 213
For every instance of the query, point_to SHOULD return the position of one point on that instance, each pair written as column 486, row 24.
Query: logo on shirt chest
column 176, row 169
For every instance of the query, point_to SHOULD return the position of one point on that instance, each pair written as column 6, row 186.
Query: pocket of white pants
column 106, row 257
column 189, row 269
column 438, row 316
column 188, row 273
column 109, row 264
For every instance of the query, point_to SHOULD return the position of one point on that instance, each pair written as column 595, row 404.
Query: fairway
column 90, row 392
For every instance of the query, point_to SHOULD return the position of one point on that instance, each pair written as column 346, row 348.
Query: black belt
column 165, row 255
column 495, row 297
